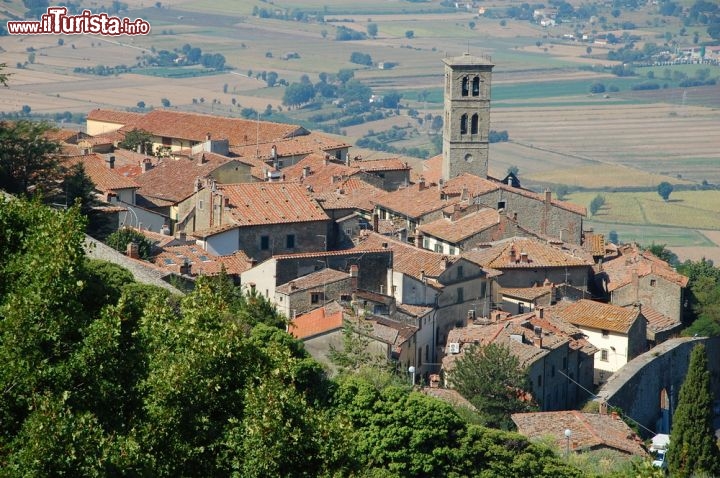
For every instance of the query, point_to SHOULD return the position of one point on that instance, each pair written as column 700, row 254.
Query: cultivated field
column 559, row 133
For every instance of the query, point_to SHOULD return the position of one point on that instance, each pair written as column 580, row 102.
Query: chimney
column 181, row 236
column 539, row 312
column 464, row 194
column 354, row 272
column 524, row 257
column 165, row 230
column 376, row 222
column 146, row 165
column 418, row 238
column 421, row 184
column 291, row 285
column 185, row 268
column 384, row 245
column 511, row 253
column 207, row 136
column 548, row 196
column 444, row 263
column 201, row 159
column 133, row 250
column 306, row 171
column 537, row 337
column 509, row 183
column 326, row 160
column 110, row 160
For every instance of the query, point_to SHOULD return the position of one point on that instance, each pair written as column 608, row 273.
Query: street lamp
column 411, row 369
column 568, row 434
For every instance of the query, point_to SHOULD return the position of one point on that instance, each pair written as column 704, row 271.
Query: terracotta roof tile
column 252, row 204
column 415, row 201
column 319, row 321
column 596, row 315
column 174, row 179
column 105, row 179
column 448, row 395
column 313, row 280
column 112, row 116
column 527, row 293
column 195, row 126
column 508, row 254
column 656, row 321
column 630, row 259
column 346, row 252
column 373, row 165
column 432, row 169
column 290, row 146
column 589, row 430
column 407, row 259
column 458, row 230
column 201, row 262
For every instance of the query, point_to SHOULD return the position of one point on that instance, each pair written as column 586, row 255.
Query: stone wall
column 637, row 387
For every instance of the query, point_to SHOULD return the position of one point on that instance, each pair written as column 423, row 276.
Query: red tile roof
column 319, row 279
column 432, row 169
column 252, row 204
column 459, row 230
column 376, row 165
column 290, row 146
column 415, row 201
column 590, row 431
column 656, row 321
column 631, row 259
column 508, row 254
column 174, row 179
column 526, row 293
column 112, row 116
column 596, row 315
column 319, row 321
column 195, row 126
column 407, row 259
column 201, row 262
column 104, row 178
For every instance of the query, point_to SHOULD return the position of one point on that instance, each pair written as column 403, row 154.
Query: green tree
column 409, row 34
column 165, row 102
column 297, row 94
column 491, row 378
column 372, row 29
column 661, row 251
column 137, row 137
column 28, row 159
column 513, row 170
column 597, row 203
column 664, row 189
column 693, row 448
column 79, row 187
column 120, row 239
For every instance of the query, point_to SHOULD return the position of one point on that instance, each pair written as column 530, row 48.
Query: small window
column 463, row 124
column 501, row 205
column 264, row 243
column 460, row 295
column 605, row 334
column 604, row 355
column 426, row 243
column 476, row 86
column 438, row 247
column 539, row 381
column 474, row 124
column 200, row 204
column 653, row 282
column 166, row 141
column 316, row 297
column 419, row 358
column 460, row 272
column 552, row 371
column 465, row 89
column 452, row 251
column 290, row 241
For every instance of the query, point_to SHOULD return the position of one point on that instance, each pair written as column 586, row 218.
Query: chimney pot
column 133, row 250
column 111, row 161
column 548, row 196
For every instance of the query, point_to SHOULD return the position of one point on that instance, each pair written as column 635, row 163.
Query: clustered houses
column 422, row 268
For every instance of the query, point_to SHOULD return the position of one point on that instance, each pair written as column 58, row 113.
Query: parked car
column 660, row 461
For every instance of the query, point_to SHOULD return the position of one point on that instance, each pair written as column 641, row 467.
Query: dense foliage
column 103, row 376
column 693, row 448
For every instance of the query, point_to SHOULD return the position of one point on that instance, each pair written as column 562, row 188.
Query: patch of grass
column 685, row 209
column 671, row 236
column 177, row 72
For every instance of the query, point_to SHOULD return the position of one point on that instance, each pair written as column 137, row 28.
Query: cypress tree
column 693, row 449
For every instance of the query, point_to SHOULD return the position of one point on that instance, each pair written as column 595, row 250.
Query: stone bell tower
column 467, row 116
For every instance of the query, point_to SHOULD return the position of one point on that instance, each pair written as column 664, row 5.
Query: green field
column 685, row 209
column 646, row 235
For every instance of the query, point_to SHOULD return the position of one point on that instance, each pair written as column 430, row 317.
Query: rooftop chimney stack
column 354, row 274
column 110, row 160
column 537, row 337
column 376, row 222
column 146, row 165
column 548, row 196
column 421, row 184
column 133, row 250
column 201, row 159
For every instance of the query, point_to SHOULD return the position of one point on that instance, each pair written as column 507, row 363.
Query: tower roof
column 469, row 60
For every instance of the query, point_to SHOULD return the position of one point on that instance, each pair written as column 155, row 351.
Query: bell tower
column 467, row 116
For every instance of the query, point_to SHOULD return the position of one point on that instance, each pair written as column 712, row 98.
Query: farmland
column 560, row 134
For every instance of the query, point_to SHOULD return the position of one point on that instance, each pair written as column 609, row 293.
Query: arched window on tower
column 465, row 86
column 474, row 124
column 476, row 86
column 463, row 124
